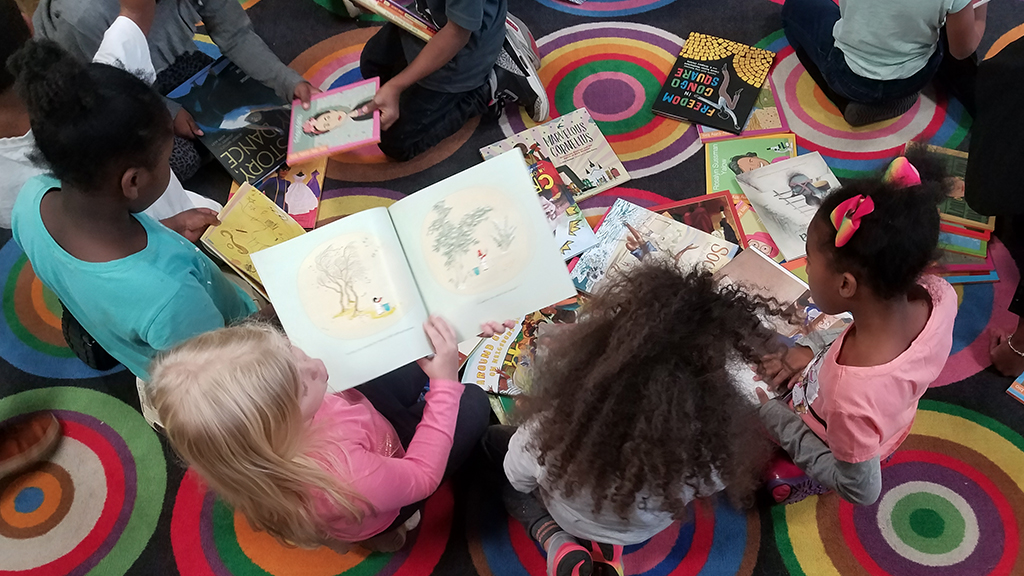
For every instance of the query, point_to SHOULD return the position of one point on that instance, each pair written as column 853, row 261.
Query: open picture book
column 473, row 248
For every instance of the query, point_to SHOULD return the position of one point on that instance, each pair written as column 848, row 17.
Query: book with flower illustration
column 574, row 144
column 630, row 234
column 714, row 82
column 331, row 125
column 249, row 222
column 472, row 248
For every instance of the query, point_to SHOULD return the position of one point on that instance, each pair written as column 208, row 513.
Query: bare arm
column 964, row 30
column 439, row 51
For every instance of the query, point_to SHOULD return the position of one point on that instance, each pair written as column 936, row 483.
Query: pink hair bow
column 846, row 217
column 901, row 173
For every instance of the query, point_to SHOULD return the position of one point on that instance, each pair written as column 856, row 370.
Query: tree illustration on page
column 339, row 270
column 454, row 240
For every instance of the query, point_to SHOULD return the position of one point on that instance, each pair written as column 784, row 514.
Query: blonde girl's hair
column 229, row 404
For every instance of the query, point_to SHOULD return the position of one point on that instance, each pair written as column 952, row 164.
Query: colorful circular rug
column 849, row 151
column 605, row 8
column 30, row 333
column 209, row 539
column 93, row 506
column 717, row 539
column 616, row 70
column 335, row 62
column 341, row 202
column 952, row 503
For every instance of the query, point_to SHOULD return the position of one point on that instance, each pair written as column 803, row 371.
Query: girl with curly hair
column 634, row 413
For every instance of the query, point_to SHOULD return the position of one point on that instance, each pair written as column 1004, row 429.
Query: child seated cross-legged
column 248, row 411
column 854, row 403
column 136, row 286
column 632, row 415
column 477, row 60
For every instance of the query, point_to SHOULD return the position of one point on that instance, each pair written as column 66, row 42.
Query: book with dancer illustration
column 766, row 118
column 714, row 214
column 714, row 82
column 330, row 126
column 295, row 189
column 244, row 123
column 954, row 208
column 574, row 144
column 406, row 19
column 630, row 234
column 249, row 222
column 786, row 195
column 472, row 248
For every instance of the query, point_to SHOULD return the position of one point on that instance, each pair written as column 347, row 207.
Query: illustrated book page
column 629, row 235
column 574, row 144
column 295, row 189
column 249, row 222
column 572, row 233
column 766, row 118
column 330, row 125
column 714, row 214
column 786, row 196
column 480, row 246
column 345, row 295
column 954, row 208
column 400, row 16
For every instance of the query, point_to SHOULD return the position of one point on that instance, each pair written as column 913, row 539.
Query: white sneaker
column 516, row 80
column 520, row 36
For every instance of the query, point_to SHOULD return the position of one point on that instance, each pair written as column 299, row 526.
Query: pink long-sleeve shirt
column 370, row 458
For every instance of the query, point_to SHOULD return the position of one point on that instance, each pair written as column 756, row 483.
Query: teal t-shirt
column 891, row 39
column 134, row 306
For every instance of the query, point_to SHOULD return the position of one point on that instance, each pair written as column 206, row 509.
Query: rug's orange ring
column 38, row 479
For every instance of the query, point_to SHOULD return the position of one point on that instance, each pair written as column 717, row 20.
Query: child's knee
column 474, row 410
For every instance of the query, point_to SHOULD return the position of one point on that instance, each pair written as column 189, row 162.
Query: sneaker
column 788, row 484
column 857, row 114
column 520, row 36
column 25, row 441
column 568, row 558
column 514, row 79
column 607, row 558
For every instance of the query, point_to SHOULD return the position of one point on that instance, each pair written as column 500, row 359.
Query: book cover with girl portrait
column 330, row 125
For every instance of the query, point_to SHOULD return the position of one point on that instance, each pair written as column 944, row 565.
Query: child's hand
column 784, row 367
column 488, row 329
column 304, row 91
column 385, row 100
column 185, row 126
column 762, row 396
column 444, row 364
column 192, row 223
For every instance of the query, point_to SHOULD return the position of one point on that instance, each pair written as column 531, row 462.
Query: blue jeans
column 808, row 25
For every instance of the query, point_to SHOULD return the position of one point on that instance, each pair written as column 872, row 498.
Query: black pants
column 425, row 117
column 526, row 508
column 396, row 395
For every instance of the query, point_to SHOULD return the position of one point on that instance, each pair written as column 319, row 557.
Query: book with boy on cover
column 295, row 189
column 409, row 20
column 714, row 214
column 244, row 123
column 574, row 144
column 472, row 248
column 330, row 125
column 786, row 196
column 762, row 276
column 630, row 234
column 249, row 222
column 954, row 208
column 766, row 118
column 503, row 363
column 714, row 82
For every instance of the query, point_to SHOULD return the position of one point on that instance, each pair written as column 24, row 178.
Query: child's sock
column 566, row 557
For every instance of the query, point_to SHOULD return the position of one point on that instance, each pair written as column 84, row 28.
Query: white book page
column 345, row 295
column 480, row 247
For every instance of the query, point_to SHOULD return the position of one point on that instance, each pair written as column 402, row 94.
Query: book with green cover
column 954, row 208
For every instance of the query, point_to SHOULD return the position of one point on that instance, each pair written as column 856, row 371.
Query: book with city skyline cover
column 472, row 248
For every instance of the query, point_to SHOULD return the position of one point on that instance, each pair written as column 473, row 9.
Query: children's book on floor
column 330, row 125
column 472, row 248
column 714, row 82
column 766, row 118
column 503, row 363
column 762, row 276
column 572, row 232
column 295, row 189
column 244, row 123
column 1017, row 389
column 630, row 234
column 249, row 222
column 954, row 208
column 574, row 144
column 406, row 19
column 714, row 214
column 786, row 195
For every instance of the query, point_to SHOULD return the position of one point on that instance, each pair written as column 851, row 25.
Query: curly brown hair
column 638, row 395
